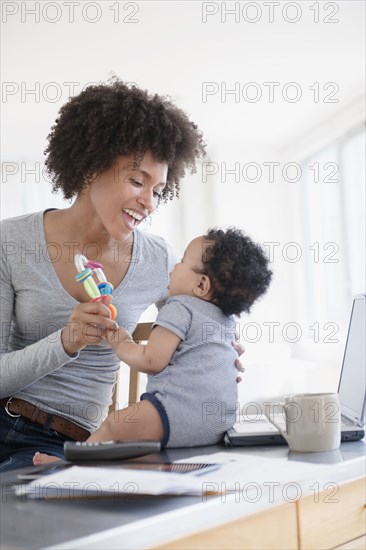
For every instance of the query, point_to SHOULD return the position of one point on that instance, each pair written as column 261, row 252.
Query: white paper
column 79, row 481
column 238, row 470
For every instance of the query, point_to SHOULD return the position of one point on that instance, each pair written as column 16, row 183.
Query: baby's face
column 187, row 272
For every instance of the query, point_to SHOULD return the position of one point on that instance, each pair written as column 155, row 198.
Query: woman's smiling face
column 126, row 194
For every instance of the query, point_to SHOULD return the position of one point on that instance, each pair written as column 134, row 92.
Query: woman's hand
column 86, row 325
column 239, row 348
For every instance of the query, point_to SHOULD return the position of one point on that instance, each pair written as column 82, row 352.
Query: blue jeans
column 20, row 439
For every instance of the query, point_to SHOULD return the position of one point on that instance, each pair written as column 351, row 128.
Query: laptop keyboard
column 250, row 424
column 258, row 424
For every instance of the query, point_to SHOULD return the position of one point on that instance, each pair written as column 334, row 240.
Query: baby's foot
column 43, row 458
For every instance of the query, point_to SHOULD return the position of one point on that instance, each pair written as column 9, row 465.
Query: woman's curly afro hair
column 237, row 268
column 108, row 120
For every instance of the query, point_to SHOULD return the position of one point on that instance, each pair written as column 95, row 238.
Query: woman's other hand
column 240, row 349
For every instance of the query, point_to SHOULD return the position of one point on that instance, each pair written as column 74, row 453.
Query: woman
column 120, row 151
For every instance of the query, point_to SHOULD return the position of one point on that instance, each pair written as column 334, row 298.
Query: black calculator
column 82, row 451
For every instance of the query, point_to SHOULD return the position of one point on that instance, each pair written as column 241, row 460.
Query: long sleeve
column 21, row 367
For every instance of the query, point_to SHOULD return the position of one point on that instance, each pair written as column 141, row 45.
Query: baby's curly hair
column 237, row 268
column 108, row 120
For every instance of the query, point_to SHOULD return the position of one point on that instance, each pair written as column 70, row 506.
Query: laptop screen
column 352, row 385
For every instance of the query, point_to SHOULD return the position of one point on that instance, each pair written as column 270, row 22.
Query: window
column 333, row 206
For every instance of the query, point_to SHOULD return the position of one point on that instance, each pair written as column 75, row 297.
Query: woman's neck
column 78, row 224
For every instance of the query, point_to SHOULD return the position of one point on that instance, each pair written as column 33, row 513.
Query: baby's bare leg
column 137, row 421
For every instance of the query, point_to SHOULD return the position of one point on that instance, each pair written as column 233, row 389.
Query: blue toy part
column 105, row 288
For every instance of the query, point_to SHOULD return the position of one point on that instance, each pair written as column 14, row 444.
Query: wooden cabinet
column 255, row 532
column 332, row 517
column 329, row 519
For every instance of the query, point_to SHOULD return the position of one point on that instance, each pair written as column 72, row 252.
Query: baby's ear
column 203, row 287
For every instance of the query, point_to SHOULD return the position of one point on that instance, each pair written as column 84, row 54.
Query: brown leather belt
column 18, row 407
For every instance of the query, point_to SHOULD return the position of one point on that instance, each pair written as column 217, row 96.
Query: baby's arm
column 150, row 358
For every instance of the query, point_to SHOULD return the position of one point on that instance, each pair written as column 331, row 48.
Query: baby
column 191, row 392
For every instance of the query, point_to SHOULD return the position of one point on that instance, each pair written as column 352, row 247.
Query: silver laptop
column 257, row 430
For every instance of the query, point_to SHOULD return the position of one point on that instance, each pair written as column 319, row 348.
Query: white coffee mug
column 313, row 421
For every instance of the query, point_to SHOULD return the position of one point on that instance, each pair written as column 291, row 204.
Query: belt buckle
column 7, row 410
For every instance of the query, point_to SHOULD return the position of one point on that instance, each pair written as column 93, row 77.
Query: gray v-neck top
column 35, row 307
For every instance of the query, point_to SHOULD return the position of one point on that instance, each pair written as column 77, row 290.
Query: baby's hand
column 110, row 334
column 117, row 336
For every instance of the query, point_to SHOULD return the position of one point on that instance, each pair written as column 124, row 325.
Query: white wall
column 181, row 49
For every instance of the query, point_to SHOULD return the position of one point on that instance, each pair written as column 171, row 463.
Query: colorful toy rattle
column 86, row 268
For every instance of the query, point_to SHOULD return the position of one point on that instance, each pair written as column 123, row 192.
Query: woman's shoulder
column 22, row 224
column 154, row 246
column 150, row 239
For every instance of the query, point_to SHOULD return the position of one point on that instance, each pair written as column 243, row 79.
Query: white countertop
column 142, row 522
